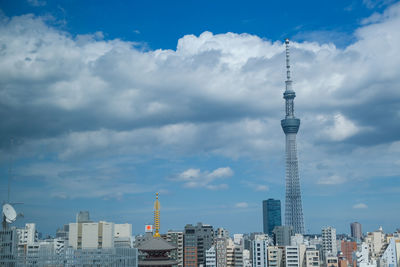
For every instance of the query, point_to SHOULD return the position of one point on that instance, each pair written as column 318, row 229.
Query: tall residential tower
column 290, row 125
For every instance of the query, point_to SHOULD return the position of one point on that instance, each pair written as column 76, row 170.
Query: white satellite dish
column 9, row 213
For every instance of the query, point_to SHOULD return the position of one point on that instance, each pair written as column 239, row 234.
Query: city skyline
column 108, row 104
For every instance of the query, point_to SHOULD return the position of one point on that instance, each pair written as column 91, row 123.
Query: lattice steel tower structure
column 290, row 126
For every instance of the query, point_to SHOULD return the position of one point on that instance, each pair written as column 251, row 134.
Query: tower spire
column 287, row 60
column 290, row 126
column 157, row 207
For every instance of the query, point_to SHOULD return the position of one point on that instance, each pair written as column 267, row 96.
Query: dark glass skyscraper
column 271, row 215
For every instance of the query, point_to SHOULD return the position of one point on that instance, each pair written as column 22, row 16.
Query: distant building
column 356, row 231
column 8, row 245
column 329, row 246
column 312, row 257
column 176, row 238
column 282, row 235
column 259, row 249
column 331, row 261
column 292, row 256
column 83, row 217
column 91, row 235
column 348, row 248
column 389, row 256
column 211, row 257
column 274, row 257
column 271, row 215
column 197, row 240
column 27, row 235
column 375, row 241
column 123, row 235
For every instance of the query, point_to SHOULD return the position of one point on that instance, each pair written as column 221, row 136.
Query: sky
column 103, row 104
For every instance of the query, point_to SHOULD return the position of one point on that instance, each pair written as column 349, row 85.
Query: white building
column 375, row 241
column 211, row 257
column 329, row 246
column 363, row 258
column 123, row 235
column 246, row 258
column 91, row 235
column 260, row 249
column 27, row 235
column 312, row 257
column 292, row 256
column 389, row 257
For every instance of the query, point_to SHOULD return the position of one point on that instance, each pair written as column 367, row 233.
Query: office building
column 271, row 215
column 197, row 240
column 356, row 232
column 282, row 235
column 93, row 235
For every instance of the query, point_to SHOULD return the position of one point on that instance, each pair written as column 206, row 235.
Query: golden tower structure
column 157, row 207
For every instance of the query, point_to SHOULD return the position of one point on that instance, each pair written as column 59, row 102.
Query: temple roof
column 156, row 243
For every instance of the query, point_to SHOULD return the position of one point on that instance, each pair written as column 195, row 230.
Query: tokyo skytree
column 290, row 125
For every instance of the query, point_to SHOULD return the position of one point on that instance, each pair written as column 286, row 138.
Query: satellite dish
column 9, row 213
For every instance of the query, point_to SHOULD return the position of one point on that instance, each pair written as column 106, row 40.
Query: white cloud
column 242, row 205
column 341, row 129
column 194, row 178
column 217, row 94
column 331, row 180
column 360, row 206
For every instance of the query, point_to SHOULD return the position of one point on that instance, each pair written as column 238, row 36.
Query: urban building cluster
column 89, row 243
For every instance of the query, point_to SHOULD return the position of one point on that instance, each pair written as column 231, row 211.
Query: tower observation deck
column 290, row 126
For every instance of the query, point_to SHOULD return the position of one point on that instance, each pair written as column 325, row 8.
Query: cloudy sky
column 108, row 104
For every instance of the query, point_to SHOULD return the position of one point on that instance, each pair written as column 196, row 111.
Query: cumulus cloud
column 194, row 178
column 360, row 206
column 341, row 129
column 77, row 97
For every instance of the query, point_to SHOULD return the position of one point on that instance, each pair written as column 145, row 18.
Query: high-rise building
column 329, row 246
column 282, row 235
column 271, row 215
column 290, row 126
column 356, row 231
column 197, row 240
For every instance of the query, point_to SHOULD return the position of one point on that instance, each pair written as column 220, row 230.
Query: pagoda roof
column 156, row 243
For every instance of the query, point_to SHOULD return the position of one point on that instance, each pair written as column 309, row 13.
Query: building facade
column 356, row 232
column 271, row 215
column 329, row 246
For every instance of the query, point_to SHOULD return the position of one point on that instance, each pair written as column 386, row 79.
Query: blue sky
column 110, row 103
